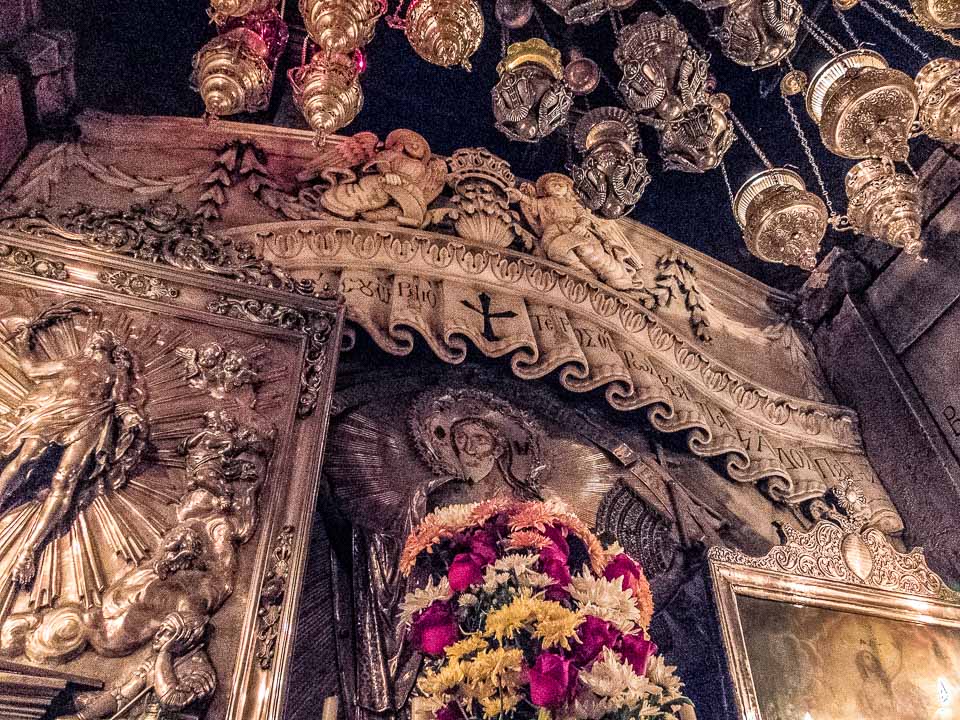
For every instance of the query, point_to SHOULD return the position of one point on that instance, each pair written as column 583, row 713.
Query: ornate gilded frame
column 156, row 259
column 840, row 564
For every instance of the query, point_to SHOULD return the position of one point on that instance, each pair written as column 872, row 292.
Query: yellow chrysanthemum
column 499, row 704
column 443, row 680
column 503, row 623
column 555, row 624
column 470, row 644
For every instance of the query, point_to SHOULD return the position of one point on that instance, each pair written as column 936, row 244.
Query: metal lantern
column 222, row 9
column 884, row 204
column 327, row 91
column 530, row 101
column 612, row 176
column 341, row 26
column 782, row 221
column 863, row 107
column 231, row 73
column 445, row 32
column 759, row 34
column 938, row 86
column 663, row 76
column 937, row 13
column 699, row 138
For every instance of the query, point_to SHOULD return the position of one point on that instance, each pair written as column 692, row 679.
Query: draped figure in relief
column 86, row 409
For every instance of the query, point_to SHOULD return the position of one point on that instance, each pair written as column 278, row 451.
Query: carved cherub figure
column 400, row 183
column 573, row 236
column 177, row 674
column 219, row 371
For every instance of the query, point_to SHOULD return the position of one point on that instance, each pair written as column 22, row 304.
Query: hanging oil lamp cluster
column 234, row 71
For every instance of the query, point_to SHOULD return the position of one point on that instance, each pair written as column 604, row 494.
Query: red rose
column 483, row 547
column 450, row 711
column 623, row 566
column 637, row 650
column 553, row 562
column 595, row 634
column 434, row 629
column 558, row 536
column 553, row 680
column 464, row 571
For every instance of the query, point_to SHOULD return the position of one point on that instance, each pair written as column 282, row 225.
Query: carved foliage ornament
column 842, row 547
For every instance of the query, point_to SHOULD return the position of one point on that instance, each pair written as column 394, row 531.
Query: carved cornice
column 137, row 284
column 28, row 262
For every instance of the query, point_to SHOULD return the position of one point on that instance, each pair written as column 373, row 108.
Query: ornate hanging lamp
column 613, row 175
column 341, row 26
column 530, row 101
column 938, row 87
column 444, row 32
column 937, row 13
column 782, row 221
column 232, row 74
column 863, row 107
column 327, row 91
column 759, row 34
column 884, row 204
column 220, row 10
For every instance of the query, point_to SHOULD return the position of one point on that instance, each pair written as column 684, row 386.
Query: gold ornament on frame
column 863, row 107
column 445, row 32
column 782, row 221
column 884, row 204
column 231, row 74
column 341, row 26
column 938, row 86
column 327, row 91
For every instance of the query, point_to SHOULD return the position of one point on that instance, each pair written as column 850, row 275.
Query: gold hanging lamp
column 231, row 73
column 327, row 91
column 884, row 204
column 938, row 87
column 341, row 26
column 444, row 32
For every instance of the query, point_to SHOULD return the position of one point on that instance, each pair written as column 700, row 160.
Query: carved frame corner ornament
column 841, row 564
column 232, row 467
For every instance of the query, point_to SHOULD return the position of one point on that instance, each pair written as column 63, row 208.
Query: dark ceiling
column 134, row 57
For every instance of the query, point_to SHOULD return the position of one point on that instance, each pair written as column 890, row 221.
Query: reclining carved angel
column 395, row 184
column 571, row 235
column 80, row 423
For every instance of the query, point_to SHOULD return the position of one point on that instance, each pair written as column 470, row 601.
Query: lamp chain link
column 726, row 181
column 887, row 23
column 749, row 138
column 822, row 37
column 809, row 153
column 911, row 18
column 846, row 26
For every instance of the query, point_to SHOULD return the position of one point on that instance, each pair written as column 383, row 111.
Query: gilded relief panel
column 160, row 437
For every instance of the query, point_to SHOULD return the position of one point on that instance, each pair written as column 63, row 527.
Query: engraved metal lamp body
column 341, row 26
column 231, row 73
column 530, row 101
column 884, row 204
column 938, row 13
column 327, row 91
column 782, row 221
column 222, row 9
column 445, row 32
column 938, row 85
column 612, row 176
column 863, row 107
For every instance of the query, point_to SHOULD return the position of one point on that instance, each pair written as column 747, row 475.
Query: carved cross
column 488, row 317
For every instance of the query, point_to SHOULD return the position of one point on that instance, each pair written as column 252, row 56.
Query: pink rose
column 623, row 566
column 483, row 547
column 637, row 650
column 450, row 711
column 558, row 536
column 434, row 629
column 464, row 571
column 553, row 562
column 595, row 634
column 553, row 680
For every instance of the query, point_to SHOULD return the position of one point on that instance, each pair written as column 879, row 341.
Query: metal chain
column 822, row 37
column 808, row 152
column 842, row 16
column 913, row 19
column 504, row 40
column 887, row 23
column 726, row 181
column 749, row 138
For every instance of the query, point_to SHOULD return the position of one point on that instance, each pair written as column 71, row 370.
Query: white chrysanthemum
column 422, row 598
column 665, row 677
column 493, row 579
column 615, row 681
column 522, row 567
column 467, row 600
column 605, row 599
column 614, row 549
column 454, row 515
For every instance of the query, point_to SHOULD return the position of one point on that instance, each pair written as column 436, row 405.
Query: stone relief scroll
column 151, row 449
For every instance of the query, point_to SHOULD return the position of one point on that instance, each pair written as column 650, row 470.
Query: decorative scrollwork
column 137, row 285
column 25, row 261
column 272, row 593
column 314, row 325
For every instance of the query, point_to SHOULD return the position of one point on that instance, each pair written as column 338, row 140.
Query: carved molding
column 25, row 261
column 399, row 284
column 137, row 284
column 843, row 548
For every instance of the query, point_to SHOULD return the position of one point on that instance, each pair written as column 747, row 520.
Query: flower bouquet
column 523, row 613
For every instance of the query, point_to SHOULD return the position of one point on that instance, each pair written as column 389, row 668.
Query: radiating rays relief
column 99, row 446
